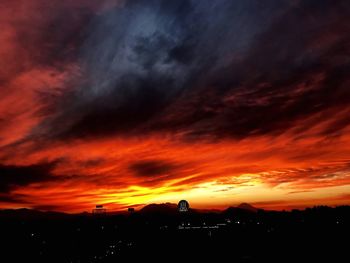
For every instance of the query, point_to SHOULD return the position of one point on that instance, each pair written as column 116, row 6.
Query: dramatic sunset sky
column 126, row 103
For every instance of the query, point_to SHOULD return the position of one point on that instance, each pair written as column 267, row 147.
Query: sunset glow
column 262, row 117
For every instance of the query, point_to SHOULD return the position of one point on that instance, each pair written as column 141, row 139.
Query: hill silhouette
column 248, row 207
column 243, row 209
column 165, row 208
column 25, row 213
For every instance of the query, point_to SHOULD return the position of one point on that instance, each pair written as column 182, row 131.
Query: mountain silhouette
column 25, row 213
column 246, row 206
column 242, row 209
column 166, row 208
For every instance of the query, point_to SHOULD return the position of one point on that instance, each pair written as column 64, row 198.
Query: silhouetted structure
column 131, row 210
column 99, row 210
column 183, row 206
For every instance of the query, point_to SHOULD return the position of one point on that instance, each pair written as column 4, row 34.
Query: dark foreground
column 318, row 234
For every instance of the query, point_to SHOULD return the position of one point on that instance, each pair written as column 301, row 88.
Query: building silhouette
column 99, row 210
column 183, row 206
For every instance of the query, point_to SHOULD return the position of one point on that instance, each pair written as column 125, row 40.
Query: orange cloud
column 210, row 173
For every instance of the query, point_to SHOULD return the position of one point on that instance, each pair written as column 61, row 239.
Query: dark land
column 161, row 233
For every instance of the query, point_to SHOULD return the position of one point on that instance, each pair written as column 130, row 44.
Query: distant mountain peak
column 248, row 207
column 159, row 208
column 27, row 213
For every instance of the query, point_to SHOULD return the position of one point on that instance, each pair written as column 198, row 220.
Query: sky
column 127, row 103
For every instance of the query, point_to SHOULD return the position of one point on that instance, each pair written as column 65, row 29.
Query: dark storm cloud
column 155, row 172
column 59, row 33
column 139, row 59
column 277, row 82
column 40, row 34
column 223, row 68
column 12, row 176
column 152, row 168
column 9, row 198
